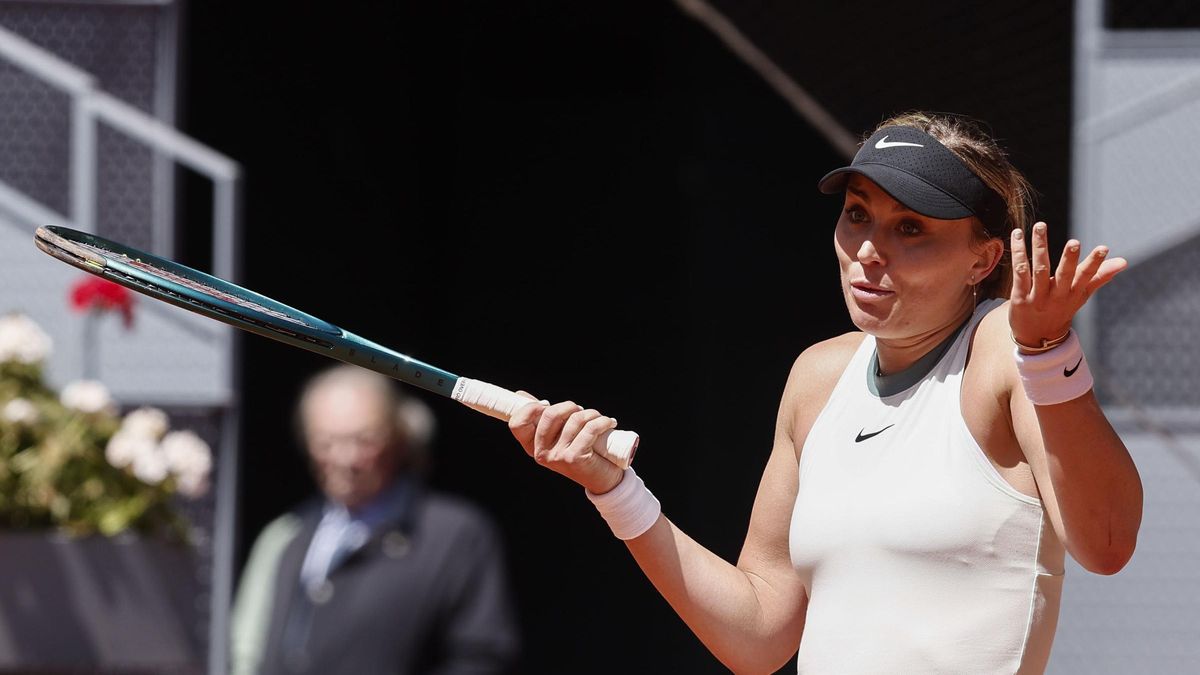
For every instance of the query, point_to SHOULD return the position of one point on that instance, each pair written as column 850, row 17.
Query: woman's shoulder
column 992, row 346
column 814, row 375
column 993, row 334
column 817, row 369
column 831, row 354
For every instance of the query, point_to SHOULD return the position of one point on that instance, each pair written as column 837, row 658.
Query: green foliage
column 54, row 473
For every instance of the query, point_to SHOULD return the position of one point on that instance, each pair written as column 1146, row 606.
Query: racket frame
column 306, row 332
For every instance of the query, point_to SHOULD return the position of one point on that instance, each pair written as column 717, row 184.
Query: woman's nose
column 867, row 252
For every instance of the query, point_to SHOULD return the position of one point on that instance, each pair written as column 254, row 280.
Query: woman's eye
column 856, row 214
column 909, row 228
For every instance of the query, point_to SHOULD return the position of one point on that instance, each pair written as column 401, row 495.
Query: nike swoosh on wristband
column 1067, row 372
column 882, row 144
column 862, row 437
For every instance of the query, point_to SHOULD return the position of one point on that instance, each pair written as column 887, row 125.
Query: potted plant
column 93, row 545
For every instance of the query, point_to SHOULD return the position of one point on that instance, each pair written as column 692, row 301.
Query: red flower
column 94, row 293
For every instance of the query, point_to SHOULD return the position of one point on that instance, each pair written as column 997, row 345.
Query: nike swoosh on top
column 883, row 144
column 862, row 437
column 1067, row 372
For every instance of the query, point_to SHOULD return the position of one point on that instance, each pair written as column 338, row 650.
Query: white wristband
column 629, row 508
column 1056, row 376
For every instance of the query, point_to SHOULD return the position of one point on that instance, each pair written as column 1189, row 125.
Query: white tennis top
column 916, row 555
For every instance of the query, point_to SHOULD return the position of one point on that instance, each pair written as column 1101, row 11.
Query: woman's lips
column 868, row 292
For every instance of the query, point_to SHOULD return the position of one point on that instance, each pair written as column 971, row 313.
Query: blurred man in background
column 379, row 574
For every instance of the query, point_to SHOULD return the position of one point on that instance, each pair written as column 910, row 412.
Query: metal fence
column 87, row 141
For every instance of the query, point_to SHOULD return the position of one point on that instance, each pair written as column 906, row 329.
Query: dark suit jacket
column 428, row 593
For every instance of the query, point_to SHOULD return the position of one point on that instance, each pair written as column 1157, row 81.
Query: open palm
column 1043, row 305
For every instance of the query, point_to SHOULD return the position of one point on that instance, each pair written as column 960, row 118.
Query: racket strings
column 194, row 285
column 244, row 318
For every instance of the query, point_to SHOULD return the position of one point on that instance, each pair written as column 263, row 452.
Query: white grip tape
column 487, row 398
column 616, row 446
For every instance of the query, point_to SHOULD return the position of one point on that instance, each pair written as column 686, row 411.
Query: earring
column 974, row 290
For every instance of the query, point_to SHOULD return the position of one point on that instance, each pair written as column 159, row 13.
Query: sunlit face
column 904, row 275
column 350, row 440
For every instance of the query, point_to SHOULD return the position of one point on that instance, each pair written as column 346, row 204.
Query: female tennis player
column 930, row 472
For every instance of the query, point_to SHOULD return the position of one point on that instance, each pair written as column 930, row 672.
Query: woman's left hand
column 1042, row 306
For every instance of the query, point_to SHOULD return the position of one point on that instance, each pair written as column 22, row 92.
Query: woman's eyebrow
column 861, row 194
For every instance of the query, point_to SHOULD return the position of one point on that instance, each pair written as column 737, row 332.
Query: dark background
column 586, row 200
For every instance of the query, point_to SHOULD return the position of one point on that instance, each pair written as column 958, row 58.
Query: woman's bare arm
column 1087, row 479
column 749, row 615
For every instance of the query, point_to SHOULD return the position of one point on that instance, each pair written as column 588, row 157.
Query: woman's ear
column 988, row 255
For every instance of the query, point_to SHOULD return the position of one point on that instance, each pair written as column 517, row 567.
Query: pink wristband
column 629, row 509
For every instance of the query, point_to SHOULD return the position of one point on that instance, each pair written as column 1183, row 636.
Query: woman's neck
column 897, row 354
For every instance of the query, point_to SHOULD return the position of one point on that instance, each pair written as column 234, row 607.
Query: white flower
column 87, row 396
column 22, row 340
column 149, row 423
column 123, row 448
column 150, row 467
column 189, row 459
column 20, row 411
column 191, row 485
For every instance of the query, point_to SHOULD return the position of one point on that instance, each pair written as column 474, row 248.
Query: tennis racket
column 224, row 301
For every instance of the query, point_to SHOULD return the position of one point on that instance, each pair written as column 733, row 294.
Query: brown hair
column 985, row 158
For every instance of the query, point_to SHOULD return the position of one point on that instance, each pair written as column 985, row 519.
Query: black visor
column 921, row 173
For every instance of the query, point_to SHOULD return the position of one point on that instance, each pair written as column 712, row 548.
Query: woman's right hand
column 560, row 437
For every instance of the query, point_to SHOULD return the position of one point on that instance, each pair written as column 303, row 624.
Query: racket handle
column 616, row 446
